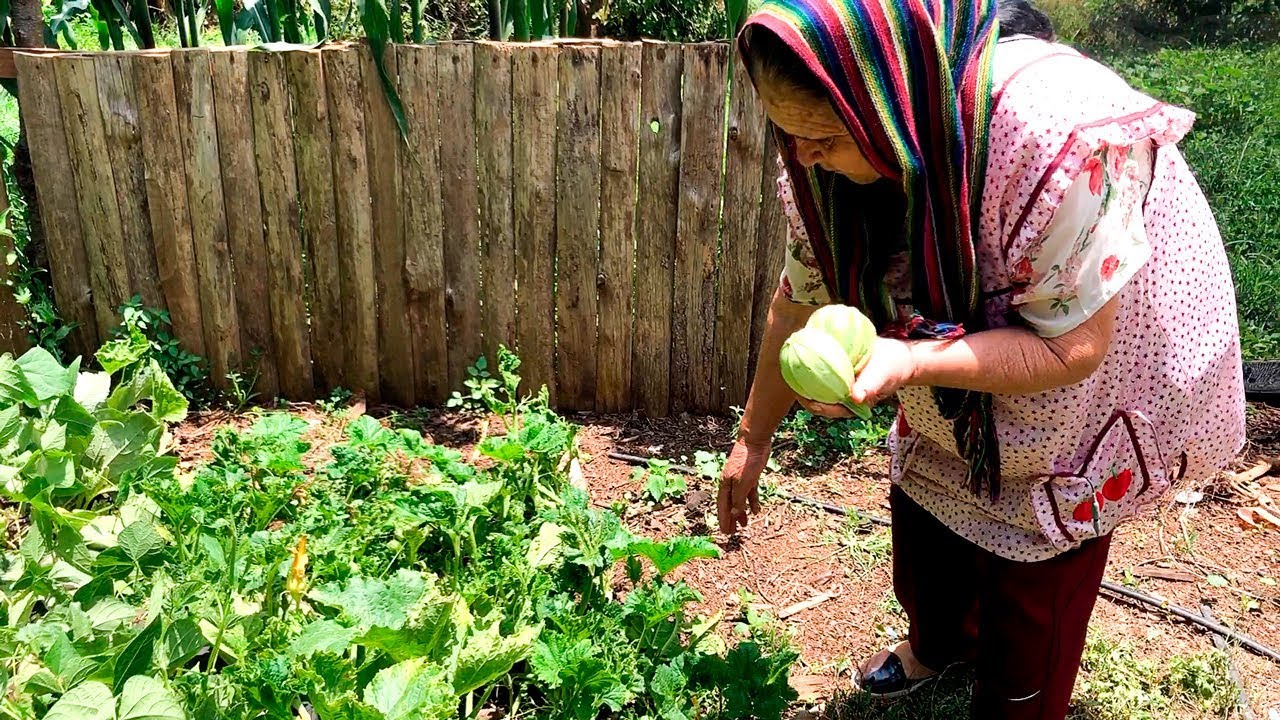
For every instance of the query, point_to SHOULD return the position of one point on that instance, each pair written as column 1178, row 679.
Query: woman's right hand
column 832, row 412
column 740, row 484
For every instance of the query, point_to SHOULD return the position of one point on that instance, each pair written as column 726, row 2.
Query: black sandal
column 890, row 680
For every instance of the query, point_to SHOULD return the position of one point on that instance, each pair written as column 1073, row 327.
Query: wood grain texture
column 737, row 274
column 313, row 148
column 69, row 265
column 124, row 137
column 273, row 148
column 95, row 188
column 577, row 226
column 697, row 234
column 167, row 207
column 534, row 78
column 344, row 80
column 382, row 145
column 660, row 120
column 619, row 131
column 198, row 136
column 421, row 215
column 242, row 200
column 460, row 208
column 494, row 141
column 771, row 243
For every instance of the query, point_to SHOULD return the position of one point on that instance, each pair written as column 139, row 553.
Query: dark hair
column 771, row 59
column 1020, row 17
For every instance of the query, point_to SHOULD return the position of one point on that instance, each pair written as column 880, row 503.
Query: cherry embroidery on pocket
column 1117, row 486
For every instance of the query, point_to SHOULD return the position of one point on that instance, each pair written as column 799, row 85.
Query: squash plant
column 389, row 579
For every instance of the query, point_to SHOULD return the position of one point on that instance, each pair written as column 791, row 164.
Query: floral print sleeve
column 801, row 276
column 1092, row 247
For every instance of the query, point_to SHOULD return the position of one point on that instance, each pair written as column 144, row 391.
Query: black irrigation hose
column 1138, row 597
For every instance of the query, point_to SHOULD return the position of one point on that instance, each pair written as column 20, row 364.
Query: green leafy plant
column 813, row 442
column 392, row 579
column 660, row 481
column 144, row 334
column 1116, row 684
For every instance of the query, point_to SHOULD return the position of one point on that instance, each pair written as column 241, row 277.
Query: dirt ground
column 834, row 585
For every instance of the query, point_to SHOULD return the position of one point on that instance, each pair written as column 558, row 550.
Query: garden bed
column 333, row 560
column 797, row 557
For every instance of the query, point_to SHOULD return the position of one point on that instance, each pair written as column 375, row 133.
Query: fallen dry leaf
column 800, row 607
column 808, row 687
column 1267, row 515
column 1246, row 517
column 1164, row 574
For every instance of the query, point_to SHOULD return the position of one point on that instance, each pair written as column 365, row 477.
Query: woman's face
column 820, row 136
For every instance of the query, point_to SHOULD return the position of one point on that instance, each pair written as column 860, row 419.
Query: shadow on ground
column 947, row 699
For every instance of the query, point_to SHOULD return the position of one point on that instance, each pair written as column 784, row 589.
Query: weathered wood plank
column 697, row 234
column 420, row 195
column 167, row 206
column 198, row 134
column 460, row 208
column 394, row 336
column 534, row 77
column 95, row 187
column 493, row 139
column 124, row 137
column 313, row 147
column 242, row 200
column 619, row 129
column 577, row 226
column 737, row 273
column 59, row 216
column 660, row 111
column 771, row 243
column 344, row 81
column 273, row 149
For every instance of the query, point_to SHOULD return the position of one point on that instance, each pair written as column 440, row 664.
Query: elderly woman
column 1055, row 307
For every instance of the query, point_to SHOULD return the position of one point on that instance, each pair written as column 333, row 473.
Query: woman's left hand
column 890, row 368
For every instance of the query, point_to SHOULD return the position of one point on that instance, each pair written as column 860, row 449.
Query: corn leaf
column 377, row 29
column 226, row 20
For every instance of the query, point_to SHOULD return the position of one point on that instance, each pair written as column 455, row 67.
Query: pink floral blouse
column 1086, row 198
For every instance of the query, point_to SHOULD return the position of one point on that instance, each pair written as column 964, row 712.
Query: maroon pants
column 1022, row 624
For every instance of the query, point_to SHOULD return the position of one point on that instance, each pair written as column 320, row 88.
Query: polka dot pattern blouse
column 1086, row 199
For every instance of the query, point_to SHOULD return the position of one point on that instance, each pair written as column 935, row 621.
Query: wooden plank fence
column 605, row 209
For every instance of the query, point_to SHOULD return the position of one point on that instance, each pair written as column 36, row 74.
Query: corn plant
column 112, row 20
column 525, row 20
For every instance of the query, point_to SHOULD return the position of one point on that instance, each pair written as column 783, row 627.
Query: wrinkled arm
column 1014, row 360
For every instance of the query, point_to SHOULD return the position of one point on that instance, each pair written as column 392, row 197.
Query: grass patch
column 866, row 545
column 1113, row 685
column 1234, row 151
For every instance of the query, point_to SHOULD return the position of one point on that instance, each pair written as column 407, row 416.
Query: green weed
column 815, row 443
column 144, row 334
column 1115, row 685
column 866, row 545
column 661, row 483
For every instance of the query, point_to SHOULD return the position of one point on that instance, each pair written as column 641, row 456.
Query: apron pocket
column 1121, row 474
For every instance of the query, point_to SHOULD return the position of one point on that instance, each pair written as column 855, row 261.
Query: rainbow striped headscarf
column 912, row 81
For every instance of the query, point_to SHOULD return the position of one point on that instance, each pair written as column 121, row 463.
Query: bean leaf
column 136, row 657
column 146, row 698
column 86, row 701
